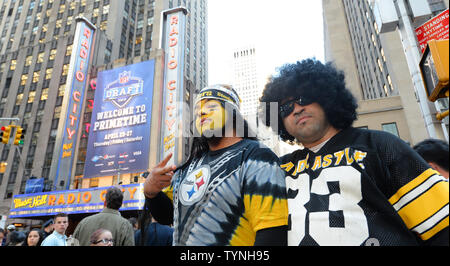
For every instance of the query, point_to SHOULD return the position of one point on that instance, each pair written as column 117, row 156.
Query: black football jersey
column 364, row 187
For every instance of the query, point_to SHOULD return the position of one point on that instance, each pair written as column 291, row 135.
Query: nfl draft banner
column 174, row 24
column 119, row 136
column 68, row 128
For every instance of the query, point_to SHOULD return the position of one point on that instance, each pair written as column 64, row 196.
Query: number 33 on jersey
column 359, row 195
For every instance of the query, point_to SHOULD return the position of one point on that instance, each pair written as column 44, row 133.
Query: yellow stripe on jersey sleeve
column 423, row 204
column 441, row 225
column 411, row 185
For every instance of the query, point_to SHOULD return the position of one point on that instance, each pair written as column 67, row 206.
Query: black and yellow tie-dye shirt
column 226, row 196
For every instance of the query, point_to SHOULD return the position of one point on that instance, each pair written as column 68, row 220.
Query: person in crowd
column 134, row 223
column 109, row 218
column 2, row 237
column 58, row 237
column 16, row 238
column 101, row 237
column 435, row 152
column 349, row 186
column 9, row 229
column 47, row 228
column 152, row 233
column 231, row 190
column 34, row 237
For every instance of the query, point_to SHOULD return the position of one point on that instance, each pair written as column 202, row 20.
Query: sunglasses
column 287, row 108
column 104, row 241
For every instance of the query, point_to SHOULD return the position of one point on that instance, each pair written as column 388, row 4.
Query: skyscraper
column 35, row 48
column 376, row 69
column 249, row 85
column 245, row 78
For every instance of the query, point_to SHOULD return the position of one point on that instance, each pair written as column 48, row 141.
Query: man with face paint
column 231, row 190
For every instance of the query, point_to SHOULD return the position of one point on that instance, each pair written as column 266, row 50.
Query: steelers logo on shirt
column 194, row 185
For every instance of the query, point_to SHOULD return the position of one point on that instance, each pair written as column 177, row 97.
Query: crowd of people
column 107, row 228
column 346, row 186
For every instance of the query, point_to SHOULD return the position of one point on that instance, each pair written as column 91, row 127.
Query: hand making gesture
column 159, row 177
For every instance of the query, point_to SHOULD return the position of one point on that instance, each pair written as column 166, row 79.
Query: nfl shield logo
column 121, row 91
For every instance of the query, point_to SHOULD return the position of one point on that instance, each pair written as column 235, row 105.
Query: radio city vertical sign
column 119, row 135
column 73, row 102
column 174, row 27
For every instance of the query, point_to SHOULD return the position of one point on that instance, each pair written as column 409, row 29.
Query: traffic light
column 434, row 67
column 3, row 166
column 18, row 139
column 5, row 134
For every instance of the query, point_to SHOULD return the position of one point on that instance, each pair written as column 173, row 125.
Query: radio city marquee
column 73, row 201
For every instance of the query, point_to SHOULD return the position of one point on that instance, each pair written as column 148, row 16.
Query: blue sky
column 283, row 31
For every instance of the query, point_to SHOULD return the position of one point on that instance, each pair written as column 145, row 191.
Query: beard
column 213, row 134
column 213, row 140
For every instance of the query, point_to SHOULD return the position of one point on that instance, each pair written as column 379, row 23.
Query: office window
column 13, row 65
column 44, row 94
column 28, row 60
column 48, row 73
column 391, row 128
column 36, row 76
column 380, row 65
column 390, row 82
column 52, row 54
column 40, row 58
column 61, row 90
column 103, row 25
column 23, row 79
column 65, row 70
column 31, row 96
column 37, row 126
column 69, row 50
column 19, row 99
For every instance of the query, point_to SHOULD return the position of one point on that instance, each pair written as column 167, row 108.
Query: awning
column 78, row 201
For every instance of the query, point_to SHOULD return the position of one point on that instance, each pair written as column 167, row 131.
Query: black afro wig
column 311, row 79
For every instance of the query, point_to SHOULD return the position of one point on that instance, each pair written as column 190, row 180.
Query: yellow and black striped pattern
column 423, row 204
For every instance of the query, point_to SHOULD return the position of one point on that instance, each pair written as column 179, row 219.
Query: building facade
column 245, row 79
column 35, row 47
column 376, row 70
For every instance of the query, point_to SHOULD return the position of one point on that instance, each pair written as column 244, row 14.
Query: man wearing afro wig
column 231, row 191
column 349, row 186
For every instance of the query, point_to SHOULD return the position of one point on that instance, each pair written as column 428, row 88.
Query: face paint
column 209, row 116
